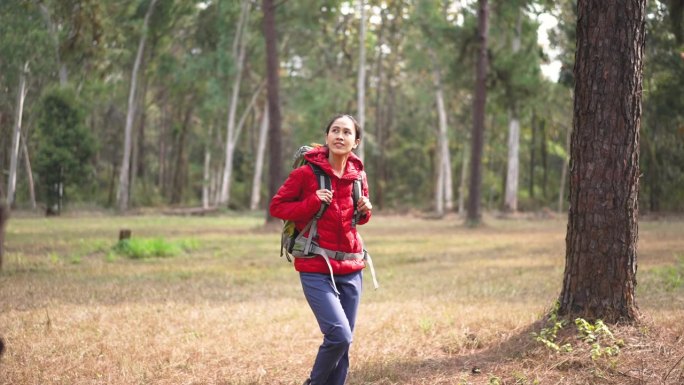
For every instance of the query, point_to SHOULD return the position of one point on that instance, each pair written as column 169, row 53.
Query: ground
column 455, row 305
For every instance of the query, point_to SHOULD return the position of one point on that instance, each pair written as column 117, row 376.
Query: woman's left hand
column 364, row 205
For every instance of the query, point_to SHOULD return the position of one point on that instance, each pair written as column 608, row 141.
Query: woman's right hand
column 324, row 195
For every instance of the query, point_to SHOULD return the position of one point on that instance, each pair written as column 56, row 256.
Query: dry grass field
column 456, row 305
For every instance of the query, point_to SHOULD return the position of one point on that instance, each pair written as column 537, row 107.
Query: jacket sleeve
column 289, row 203
column 364, row 185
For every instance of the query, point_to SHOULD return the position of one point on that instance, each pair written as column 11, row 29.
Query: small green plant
column 138, row 248
column 494, row 380
column 594, row 333
column 547, row 336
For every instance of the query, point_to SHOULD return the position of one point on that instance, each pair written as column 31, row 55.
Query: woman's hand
column 364, row 205
column 324, row 195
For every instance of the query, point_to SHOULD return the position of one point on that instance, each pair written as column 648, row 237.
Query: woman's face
column 341, row 137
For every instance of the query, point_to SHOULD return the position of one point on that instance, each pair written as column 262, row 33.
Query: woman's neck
column 338, row 163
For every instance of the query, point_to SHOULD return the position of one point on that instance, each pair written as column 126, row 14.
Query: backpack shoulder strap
column 322, row 178
column 356, row 195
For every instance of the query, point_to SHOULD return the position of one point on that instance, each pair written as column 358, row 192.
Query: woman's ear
column 356, row 143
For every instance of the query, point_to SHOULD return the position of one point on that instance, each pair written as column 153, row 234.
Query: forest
column 176, row 91
column 516, row 154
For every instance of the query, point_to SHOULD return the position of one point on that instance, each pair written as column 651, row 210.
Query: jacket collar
column 319, row 157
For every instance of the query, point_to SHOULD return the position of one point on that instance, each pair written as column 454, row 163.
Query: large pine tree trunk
column 272, row 67
column 16, row 138
column 361, row 79
column 601, row 259
column 474, row 195
column 124, row 175
column 259, row 164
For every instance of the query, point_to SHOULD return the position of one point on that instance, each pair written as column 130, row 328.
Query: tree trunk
column 180, row 174
column 4, row 216
column 463, row 181
column 206, row 172
column 52, row 29
column 259, row 165
column 474, row 195
column 29, row 173
column 272, row 69
column 601, row 259
column 380, row 126
column 511, row 195
column 16, row 138
column 361, row 79
column 511, row 191
column 138, row 137
column 124, row 176
column 444, row 190
column 239, row 52
column 542, row 150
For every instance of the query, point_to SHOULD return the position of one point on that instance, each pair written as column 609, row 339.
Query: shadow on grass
column 472, row 367
column 650, row 355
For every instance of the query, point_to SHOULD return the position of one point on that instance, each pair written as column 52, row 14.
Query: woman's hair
column 357, row 126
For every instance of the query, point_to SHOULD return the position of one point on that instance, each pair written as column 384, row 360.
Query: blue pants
column 336, row 317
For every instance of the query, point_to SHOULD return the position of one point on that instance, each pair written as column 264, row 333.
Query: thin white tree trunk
column 52, row 29
column 259, row 166
column 511, row 193
column 361, row 80
column 444, row 194
column 29, row 173
column 16, row 137
column 462, row 186
column 206, row 175
column 239, row 56
column 124, row 175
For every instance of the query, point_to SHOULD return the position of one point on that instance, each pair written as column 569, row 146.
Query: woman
column 332, row 286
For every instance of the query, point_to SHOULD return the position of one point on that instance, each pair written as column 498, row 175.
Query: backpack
column 294, row 244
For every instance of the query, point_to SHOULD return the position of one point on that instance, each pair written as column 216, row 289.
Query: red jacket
column 296, row 200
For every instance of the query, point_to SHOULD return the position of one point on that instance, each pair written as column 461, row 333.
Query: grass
column 456, row 305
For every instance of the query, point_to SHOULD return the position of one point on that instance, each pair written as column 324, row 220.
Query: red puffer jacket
column 296, row 200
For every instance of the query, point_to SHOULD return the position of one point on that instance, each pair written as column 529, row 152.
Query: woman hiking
column 331, row 275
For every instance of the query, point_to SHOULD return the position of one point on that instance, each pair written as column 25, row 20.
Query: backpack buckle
column 339, row 255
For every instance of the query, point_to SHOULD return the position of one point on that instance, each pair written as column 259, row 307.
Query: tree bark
column 259, row 165
column 16, row 138
column 272, row 70
column 29, row 173
column 361, row 79
column 474, row 195
column 124, row 176
column 601, row 242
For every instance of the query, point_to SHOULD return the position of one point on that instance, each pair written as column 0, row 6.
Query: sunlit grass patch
column 141, row 248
